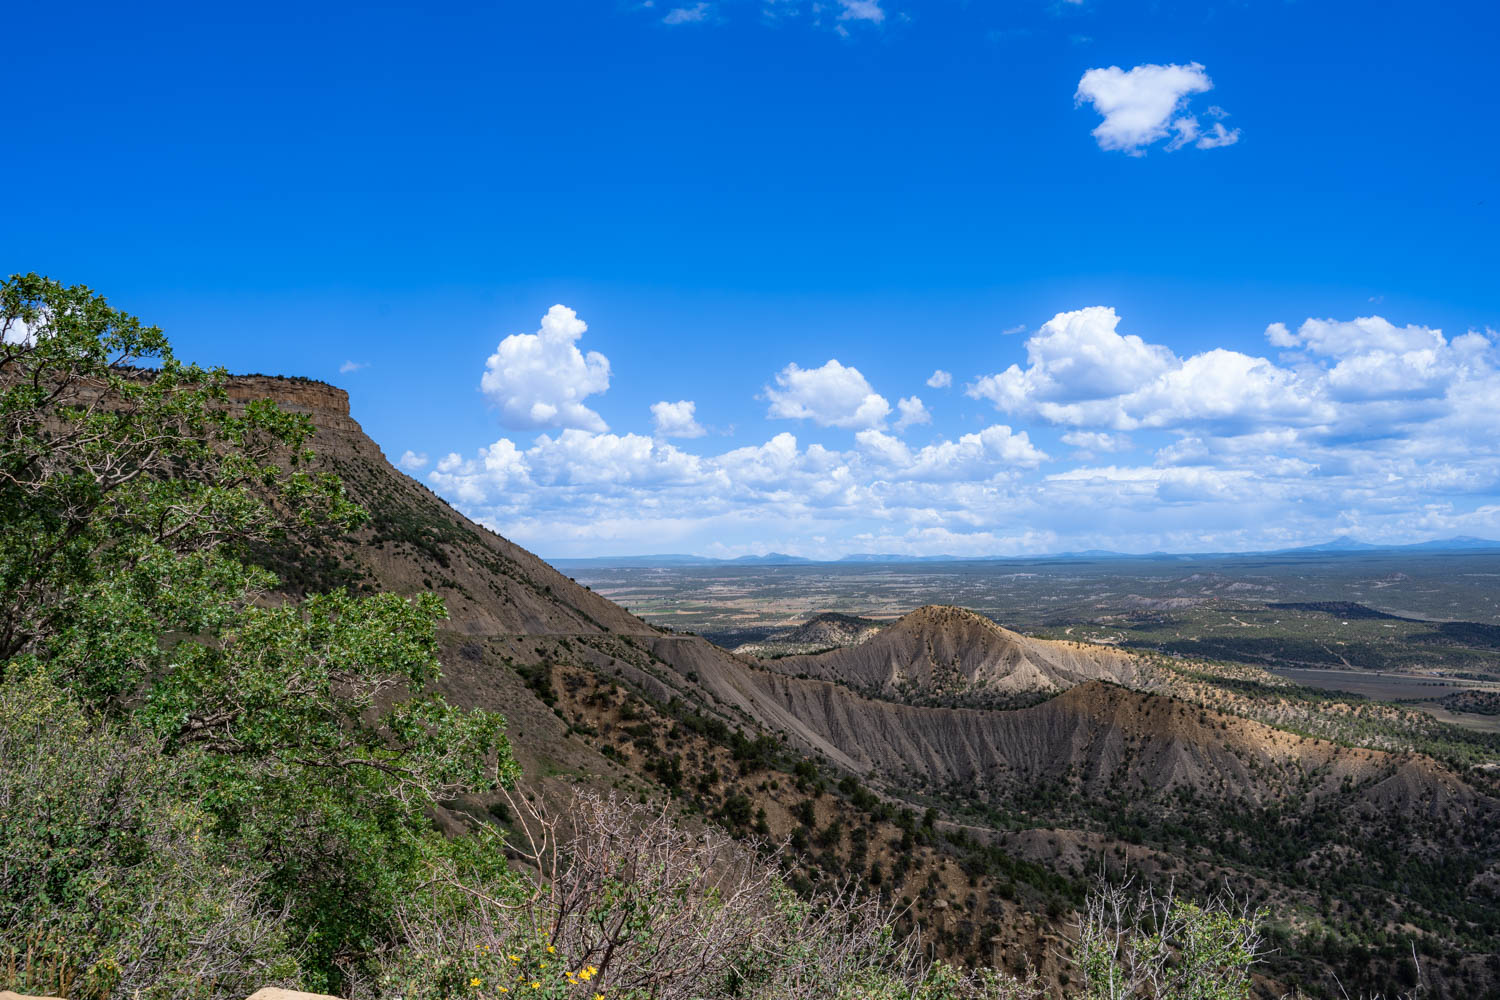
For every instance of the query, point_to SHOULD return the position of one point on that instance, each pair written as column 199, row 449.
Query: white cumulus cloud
column 676, row 419
column 912, row 411
column 1076, row 355
column 1361, row 378
column 1335, row 339
column 413, row 461
column 1083, row 373
column 940, row 379
column 1358, row 425
column 1145, row 104
column 833, row 395
column 995, row 449
column 538, row 380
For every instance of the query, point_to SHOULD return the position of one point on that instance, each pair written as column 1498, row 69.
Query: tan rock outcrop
column 299, row 394
column 272, row 993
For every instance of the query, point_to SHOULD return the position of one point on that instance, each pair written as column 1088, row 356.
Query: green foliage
column 109, row 472
column 298, row 740
column 111, row 868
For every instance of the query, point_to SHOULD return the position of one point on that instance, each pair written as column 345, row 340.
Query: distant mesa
column 1343, row 543
column 770, row 559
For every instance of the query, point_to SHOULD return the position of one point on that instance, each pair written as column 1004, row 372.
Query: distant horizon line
column 1341, row 545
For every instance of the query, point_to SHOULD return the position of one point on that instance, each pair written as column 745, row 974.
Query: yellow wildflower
column 476, row 981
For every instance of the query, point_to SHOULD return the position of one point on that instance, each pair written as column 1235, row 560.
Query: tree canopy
column 306, row 733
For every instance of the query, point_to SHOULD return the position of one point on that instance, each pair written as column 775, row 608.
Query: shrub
column 629, row 905
column 107, row 879
column 1151, row 944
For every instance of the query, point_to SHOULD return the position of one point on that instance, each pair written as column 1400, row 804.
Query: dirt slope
column 1108, row 738
column 946, row 651
column 415, row 541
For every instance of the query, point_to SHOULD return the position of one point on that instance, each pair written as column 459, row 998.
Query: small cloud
column 833, row 395
column 1189, row 131
column 1186, row 129
column 352, row 366
column 862, row 10
column 686, row 15
column 940, row 379
column 912, row 412
column 1147, row 103
column 1013, row 330
column 413, row 461
column 676, row 419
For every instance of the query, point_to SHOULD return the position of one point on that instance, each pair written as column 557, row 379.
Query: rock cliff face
column 327, row 402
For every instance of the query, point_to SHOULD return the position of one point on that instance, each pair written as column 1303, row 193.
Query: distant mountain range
column 1339, row 545
column 1344, row 543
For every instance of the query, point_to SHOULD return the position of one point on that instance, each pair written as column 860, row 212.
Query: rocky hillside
column 818, row 634
column 1103, row 739
column 942, row 759
column 947, row 655
column 414, row 541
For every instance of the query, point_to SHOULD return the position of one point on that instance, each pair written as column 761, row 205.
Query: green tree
column 132, row 492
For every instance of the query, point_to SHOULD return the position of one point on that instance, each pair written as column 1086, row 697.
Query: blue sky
column 1118, row 199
